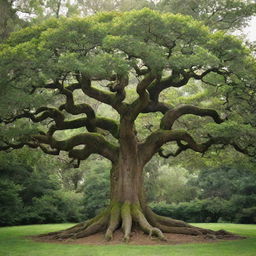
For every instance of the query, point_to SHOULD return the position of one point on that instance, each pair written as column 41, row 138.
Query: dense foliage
column 31, row 192
column 50, row 70
column 225, row 194
column 237, row 208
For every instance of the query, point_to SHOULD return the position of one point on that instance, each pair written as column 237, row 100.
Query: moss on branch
column 173, row 114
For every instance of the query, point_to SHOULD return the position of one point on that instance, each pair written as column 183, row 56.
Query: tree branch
column 94, row 141
column 176, row 79
column 139, row 104
column 110, row 99
column 103, row 123
column 173, row 114
column 12, row 146
column 45, row 112
column 153, row 107
column 179, row 78
column 70, row 106
column 156, row 140
column 118, row 86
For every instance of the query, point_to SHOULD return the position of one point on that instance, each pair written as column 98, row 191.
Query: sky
column 251, row 30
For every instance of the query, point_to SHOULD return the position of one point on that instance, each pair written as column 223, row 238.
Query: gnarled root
column 144, row 224
column 125, row 215
column 169, row 225
column 83, row 229
column 114, row 222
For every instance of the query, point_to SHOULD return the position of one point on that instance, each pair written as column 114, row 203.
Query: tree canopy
column 220, row 14
column 135, row 64
column 165, row 50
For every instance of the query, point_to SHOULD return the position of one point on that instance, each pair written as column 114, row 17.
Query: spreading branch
column 32, row 144
column 156, row 140
column 172, row 115
column 114, row 100
column 93, row 141
column 37, row 116
column 139, row 104
column 179, row 78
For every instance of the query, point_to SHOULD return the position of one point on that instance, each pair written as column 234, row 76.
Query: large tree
column 217, row 14
column 53, row 73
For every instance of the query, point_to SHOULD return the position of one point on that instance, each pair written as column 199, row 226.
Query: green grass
column 14, row 243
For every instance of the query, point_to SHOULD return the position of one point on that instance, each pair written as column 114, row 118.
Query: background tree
column 48, row 65
column 8, row 19
column 41, row 197
column 220, row 14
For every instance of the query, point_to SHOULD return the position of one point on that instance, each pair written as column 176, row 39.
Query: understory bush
column 59, row 206
column 211, row 210
column 11, row 203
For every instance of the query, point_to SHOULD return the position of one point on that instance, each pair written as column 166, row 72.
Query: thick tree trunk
column 128, row 208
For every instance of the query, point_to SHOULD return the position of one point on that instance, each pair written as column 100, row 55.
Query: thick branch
column 140, row 71
column 172, row 115
column 118, row 86
column 180, row 149
column 179, row 78
column 95, row 142
column 104, row 97
column 12, row 146
column 176, row 79
column 70, row 106
column 81, row 154
column 91, row 122
column 139, row 104
column 156, row 140
column 153, row 107
column 45, row 112
column 103, row 123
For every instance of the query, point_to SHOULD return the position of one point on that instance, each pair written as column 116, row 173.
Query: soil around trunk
column 138, row 237
column 134, row 224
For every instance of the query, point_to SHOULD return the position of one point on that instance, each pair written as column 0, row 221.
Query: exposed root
column 86, row 228
column 179, row 230
column 144, row 224
column 169, row 225
column 114, row 222
column 95, row 227
column 167, row 221
column 124, row 214
column 68, row 231
column 126, row 220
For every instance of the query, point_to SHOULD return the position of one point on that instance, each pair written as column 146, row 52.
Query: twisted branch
column 156, row 140
column 172, row 115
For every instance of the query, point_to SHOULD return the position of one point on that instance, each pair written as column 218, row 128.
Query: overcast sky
column 251, row 30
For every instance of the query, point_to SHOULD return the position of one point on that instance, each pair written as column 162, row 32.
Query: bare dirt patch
column 137, row 238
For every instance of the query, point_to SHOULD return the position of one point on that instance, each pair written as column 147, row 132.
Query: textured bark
column 128, row 208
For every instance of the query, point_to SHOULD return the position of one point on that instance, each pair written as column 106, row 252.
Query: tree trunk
column 128, row 207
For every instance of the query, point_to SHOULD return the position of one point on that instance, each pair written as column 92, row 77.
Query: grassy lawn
column 13, row 243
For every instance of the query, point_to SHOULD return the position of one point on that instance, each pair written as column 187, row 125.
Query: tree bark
column 128, row 207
